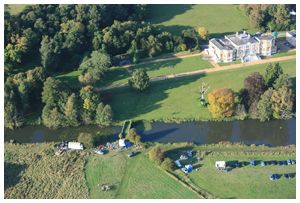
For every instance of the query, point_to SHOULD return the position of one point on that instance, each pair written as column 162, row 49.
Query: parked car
column 252, row 163
column 280, row 163
column 289, row 162
column 288, row 176
column 274, row 162
column 293, row 162
column 131, row 154
column 274, row 177
column 284, row 163
column 244, row 163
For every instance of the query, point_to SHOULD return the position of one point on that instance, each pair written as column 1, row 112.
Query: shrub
column 167, row 164
column 133, row 137
column 87, row 140
column 156, row 154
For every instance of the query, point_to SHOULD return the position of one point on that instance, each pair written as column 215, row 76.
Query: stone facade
column 241, row 46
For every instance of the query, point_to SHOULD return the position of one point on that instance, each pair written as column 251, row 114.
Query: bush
column 87, row 140
column 133, row 137
column 156, row 154
column 167, row 164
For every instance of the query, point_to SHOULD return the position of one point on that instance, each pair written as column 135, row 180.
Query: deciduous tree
column 221, row 103
column 139, row 80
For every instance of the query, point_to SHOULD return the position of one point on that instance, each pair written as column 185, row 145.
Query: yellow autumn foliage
column 221, row 103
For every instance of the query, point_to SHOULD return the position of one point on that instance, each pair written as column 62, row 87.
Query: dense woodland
column 91, row 39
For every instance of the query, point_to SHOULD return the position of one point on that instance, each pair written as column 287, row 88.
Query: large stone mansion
column 241, row 46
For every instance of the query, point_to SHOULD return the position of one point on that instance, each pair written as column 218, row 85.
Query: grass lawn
column 178, row 99
column 246, row 182
column 15, row 9
column 280, row 54
column 121, row 75
column 218, row 19
column 135, row 177
column 226, row 64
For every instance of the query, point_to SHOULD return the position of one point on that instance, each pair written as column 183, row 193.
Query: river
column 273, row 133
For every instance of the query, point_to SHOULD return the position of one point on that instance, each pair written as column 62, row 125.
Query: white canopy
column 122, row 143
column 220, row 164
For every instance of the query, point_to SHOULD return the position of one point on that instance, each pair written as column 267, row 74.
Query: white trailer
column 220, row 164
column 75, row 145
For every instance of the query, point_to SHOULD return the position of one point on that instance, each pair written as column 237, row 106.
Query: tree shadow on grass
column 174, row 29
column 158, row 65
column 12, row 173
column 159, row 13
column 128, row 103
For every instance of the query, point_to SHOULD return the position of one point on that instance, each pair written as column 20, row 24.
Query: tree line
column 61, row 106
column 59, row 32
column 263, row 97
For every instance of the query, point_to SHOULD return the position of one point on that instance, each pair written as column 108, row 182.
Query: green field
column 232, row 184
column 217, row 18
column 33, row 171
column 245, row 182
column 121, row 75
column 178, row 99
column 136, row 177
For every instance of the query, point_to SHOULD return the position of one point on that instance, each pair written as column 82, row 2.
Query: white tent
column 122, row 143
column 75, row 145
column 220, row 164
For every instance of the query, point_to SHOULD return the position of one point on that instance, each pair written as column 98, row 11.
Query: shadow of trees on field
column 174, row 29
column 128, row 103
column 12, row 174
column 158, row 65
column 159, row 13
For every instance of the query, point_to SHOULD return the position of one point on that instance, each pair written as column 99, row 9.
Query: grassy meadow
column 178, row 99
column 217, row 18
column 34, row 172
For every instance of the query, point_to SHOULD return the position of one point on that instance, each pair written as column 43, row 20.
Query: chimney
column 244, row 32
